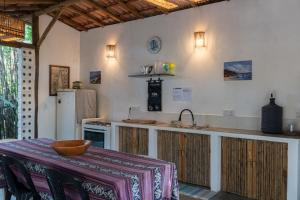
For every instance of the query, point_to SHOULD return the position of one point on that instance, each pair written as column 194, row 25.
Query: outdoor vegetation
column 9, row 64
column 8, row 92
column 28, row 34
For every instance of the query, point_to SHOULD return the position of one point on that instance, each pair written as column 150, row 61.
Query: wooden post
column 47, row 30
column 35, row 39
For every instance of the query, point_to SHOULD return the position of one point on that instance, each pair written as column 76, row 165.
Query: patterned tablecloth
column 107, row 174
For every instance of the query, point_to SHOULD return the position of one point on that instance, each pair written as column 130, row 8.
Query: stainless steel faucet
column 193, row 119
column 129, row 112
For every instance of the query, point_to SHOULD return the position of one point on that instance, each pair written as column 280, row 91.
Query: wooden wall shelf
column 149, row 75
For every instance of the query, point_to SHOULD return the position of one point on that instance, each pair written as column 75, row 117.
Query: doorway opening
column 9, row 66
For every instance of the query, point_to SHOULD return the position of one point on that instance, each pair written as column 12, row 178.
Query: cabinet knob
column 59, row 101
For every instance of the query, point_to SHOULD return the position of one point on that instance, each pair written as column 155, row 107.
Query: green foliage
column 28, row 34
column 8, row 92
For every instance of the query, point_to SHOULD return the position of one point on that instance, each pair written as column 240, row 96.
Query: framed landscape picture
column 95, row 77
column 59, row 78
column 238, row 70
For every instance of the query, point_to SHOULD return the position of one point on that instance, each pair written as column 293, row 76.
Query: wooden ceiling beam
column 20, row 8
column 49, row 27
column 72, row 23
column 57, row 6
column 192, row 2
column 28, row 2
column 159, row 8
column 206, row 2
column 77, row 10
column 17, row 44
column 130, row 8
column 97, row 13
column 105, row 10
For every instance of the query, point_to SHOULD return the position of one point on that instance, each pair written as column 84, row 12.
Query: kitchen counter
column 216, row 135
column 226, row 132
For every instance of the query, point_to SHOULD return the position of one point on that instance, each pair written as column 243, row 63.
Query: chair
column 57, row 182
column 18, row 180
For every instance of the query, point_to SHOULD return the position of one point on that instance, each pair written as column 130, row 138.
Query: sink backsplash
column 238, row 122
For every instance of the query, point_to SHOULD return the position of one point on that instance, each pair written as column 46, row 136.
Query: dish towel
column 85, row 104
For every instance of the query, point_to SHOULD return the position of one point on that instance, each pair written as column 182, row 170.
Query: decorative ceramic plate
column 154, row 45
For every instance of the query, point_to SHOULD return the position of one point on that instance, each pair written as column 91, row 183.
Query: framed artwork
column 95, row 77
column 59, row 78
column 238, row 70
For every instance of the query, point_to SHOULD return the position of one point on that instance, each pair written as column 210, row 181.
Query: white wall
column 61, row 47
column 266, row 31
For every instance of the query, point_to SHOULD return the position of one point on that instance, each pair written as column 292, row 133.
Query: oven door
column 96, row 136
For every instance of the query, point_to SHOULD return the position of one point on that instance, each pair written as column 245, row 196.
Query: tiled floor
column 220, row 196
column 196, row 192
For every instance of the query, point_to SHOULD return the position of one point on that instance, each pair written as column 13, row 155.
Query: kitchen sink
column 188, row 126
column 139, row 121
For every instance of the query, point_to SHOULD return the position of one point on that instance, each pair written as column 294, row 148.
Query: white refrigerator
column 72, row 107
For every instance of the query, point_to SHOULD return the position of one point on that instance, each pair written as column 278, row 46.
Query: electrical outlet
column 135, row 108
column 298, row 114
column 228, row 113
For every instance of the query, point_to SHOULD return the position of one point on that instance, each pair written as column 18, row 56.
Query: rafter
column 27, row 2
column 105, row 10
column 72, row 23
column 57, row 6
column 49, row 27
column 16, row 8
column 130, row 8
column 162, row 5
column 95, row 13
column 77, row 10
column 192, row 2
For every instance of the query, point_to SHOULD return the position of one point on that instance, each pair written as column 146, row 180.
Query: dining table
column 105, row 174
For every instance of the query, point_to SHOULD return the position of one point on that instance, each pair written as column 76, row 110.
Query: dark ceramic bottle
column 271, row 117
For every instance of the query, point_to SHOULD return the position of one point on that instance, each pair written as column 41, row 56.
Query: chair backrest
column 10, row 167
column 57, row 182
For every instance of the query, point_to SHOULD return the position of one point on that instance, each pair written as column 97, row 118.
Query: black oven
column 97, row 136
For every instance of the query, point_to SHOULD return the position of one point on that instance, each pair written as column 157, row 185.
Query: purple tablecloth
column 107, row 174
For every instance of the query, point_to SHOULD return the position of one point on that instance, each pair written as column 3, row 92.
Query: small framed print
column 95, row 77
column 238, row 70
column 59, row 78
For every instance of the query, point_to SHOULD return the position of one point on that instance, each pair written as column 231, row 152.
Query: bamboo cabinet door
column 254, row 169
column 190, row 153
column 133, row 140
column 197, row 159
column 168, row 149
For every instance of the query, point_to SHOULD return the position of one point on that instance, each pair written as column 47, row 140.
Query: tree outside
column 9, row 65
column 8, row 92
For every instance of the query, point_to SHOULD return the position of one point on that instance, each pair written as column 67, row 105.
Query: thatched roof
column 87, row 14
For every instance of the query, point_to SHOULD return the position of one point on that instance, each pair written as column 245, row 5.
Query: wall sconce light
column 111, row 51
column 199, row 39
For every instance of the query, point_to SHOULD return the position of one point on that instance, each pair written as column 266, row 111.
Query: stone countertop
column 295, row 135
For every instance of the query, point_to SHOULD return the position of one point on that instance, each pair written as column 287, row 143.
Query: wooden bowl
column 71, row 147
